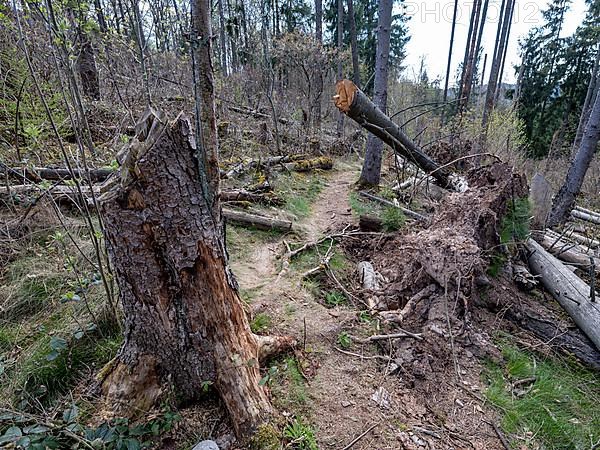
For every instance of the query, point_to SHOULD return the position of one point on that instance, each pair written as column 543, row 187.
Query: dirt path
column 341, row 401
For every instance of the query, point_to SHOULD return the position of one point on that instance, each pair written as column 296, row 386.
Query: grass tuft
column 559, row 408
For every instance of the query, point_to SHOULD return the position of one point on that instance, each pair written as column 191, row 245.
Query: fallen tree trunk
column 242, row 195
column 569, row 252
column 257, row 114
column 355, row 104
column 568, row 289
column 259, row 222
column 308, row 165
column 587, row 211
column 585, row 241
column 577, row 214
column 37, row 174
column 383, row 201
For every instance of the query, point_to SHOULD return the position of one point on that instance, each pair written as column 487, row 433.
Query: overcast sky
column 431, row 23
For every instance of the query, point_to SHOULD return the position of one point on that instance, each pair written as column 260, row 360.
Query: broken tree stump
column 350, row 100
column 185, row 324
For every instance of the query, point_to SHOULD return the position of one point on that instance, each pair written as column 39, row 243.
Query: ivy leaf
column 78, row 334
column 35, row 429
column 11, row 435
column 52, row 355
column 57, row 343
column 70, row 414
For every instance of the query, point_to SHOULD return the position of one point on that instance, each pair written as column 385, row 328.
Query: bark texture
column 184, row 321
column 565, row 199
column 371, row 170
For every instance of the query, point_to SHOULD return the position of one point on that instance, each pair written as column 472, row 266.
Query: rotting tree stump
column 185, row 325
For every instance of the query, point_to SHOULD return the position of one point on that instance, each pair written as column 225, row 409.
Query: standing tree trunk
column 504, row 52
column 185, row 325
column 450, row 51
column 503, row 26
column 353, row 44
column 340, row 44
column 86, row 67
column 565, row 199
column 371, row 170
column 319, row 73
column 592, row 91
column 222, row 39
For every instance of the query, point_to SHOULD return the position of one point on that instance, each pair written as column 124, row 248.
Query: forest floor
column 345, row 394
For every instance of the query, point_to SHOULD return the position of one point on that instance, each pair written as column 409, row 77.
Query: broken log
column 587, row 211
column 569, row 252
column 350, row 100
column 406, row 211
column 568, row 289
column 586, row 241
column 259, row 222
column 308, row 165
column 577, row 214
column 37, row 174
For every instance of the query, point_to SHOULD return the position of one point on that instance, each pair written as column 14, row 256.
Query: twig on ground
column 360, row 436
column 356, row 355
column 380, row 337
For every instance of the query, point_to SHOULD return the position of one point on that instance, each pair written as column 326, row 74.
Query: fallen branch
column 383, row 337
column 257, row 114
column 37, row 174
column 567, row 251
column 383, row 201
column 360, row 436
column 568, row 289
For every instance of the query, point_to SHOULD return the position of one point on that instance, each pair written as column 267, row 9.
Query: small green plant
column 301, row 435
column 344, row 340
column 334, row 298
column 393, row 219
column 515, row 224
column 260, row 323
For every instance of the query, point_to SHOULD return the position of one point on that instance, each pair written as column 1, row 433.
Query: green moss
column 267, row 437
column 559, row 409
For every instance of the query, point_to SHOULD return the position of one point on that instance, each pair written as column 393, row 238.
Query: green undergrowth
column 299, row 191
column 242, row 241
column 18, row 430
column 544, row 402
column 392, row 218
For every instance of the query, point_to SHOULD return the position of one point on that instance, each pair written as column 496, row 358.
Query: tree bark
column 592, row 92
column 353, row 43
column 568, row 289
column 371, row 170
column 316, row 120
column 340, row 44
column 86, row 67
column 565, row 199
column 467, row 79
column 356, row 105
